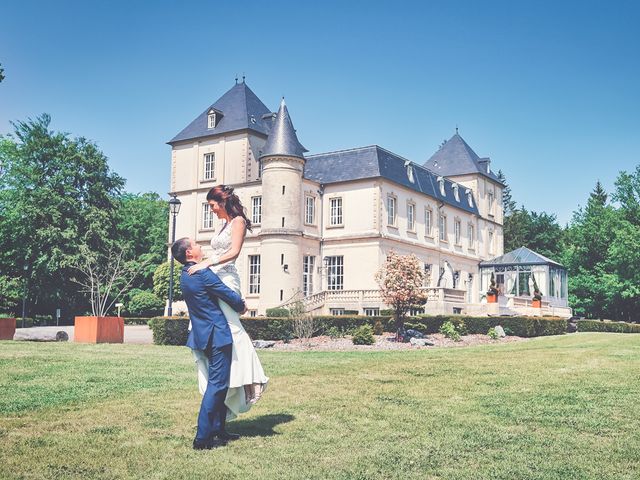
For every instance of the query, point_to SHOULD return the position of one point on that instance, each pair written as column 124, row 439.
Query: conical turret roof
column 283, row 139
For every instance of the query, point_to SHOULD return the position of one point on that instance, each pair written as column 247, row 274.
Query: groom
column 209, row 333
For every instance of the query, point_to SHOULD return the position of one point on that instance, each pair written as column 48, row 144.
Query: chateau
column 323, row 223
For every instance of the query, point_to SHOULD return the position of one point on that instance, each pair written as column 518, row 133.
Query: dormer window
column 213, row 118
column 410, row 172
column 441, row 183
column 456, row 192
column 469, row 197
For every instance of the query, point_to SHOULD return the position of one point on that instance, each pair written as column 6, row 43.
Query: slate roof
column 520, row 256
column 456, row 157
column 282, row 139
column 241, row 109
column 373, row 162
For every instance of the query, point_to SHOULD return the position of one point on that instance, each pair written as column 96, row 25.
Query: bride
column 247, row 380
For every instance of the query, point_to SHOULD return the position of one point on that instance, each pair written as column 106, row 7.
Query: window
column 307, row 274
column 336, row 311
column 253, row 313
column 471, row 234
column 254, row 274
column 391, row 210
column 470, row 198
column 456, row 192
column 411, row 217
column 456, row 230
column 335, row 273
column 260, row 167
column 208, row 217
column 211, row 122
column 372, row 312
column 335, row 211
column 209, row 166
column 490, row 196
column 428, row 222
column 441, row 184
column 309, row 210
column 442, row 227
column 490, row 241
column 410, row 174
column 256, row 210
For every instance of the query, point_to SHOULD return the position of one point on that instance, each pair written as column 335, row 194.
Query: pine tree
column 508, row 204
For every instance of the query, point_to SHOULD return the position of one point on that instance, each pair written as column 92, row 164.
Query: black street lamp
column 174, row 208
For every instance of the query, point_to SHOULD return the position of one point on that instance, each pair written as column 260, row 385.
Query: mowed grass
column 550, row 408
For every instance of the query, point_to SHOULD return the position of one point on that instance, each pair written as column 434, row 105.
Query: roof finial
column 242, row 77
column 236, row 78
column 456, row 129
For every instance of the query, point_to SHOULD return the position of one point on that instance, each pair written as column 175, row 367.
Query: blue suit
column 210, row 332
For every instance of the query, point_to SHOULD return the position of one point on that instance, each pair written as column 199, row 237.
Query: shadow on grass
column 260, row 426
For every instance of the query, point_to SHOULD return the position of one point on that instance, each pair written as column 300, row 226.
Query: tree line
column 600, row 246
column 59, row 201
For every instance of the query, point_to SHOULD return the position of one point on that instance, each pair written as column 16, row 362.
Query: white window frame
column 208, row 217
column 335, row 212
column 471, row 234
column 309, row 209
column 491, row 197
column 209, row 166
column 411, row 216
column 442, row 227
column 392, row 210
column 211, row 120
column 335, row 272
column 254, row 274
column 256, row 210
column 428, row 222
column 337, row 311
column 457, row 231
column 372, row 312
column 308, row 264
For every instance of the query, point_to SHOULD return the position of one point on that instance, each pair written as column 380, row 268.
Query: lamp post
column 174, row 208
column 24, row 293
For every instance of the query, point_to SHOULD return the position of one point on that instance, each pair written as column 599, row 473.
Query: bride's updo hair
column 223, row 194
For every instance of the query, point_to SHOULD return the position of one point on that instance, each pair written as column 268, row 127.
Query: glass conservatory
column 518, row 272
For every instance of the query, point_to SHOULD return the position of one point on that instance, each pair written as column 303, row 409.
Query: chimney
column 484, row 164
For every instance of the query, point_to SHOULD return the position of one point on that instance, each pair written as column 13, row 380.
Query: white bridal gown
column 247, row 379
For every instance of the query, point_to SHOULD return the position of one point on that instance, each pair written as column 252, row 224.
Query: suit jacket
column 201, row 292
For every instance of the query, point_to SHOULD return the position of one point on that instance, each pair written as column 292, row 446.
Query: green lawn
column 550, row 408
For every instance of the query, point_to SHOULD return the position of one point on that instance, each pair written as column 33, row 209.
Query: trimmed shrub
column 607, row 326
column 137, row 320
column 278, row 312
column 145, row 304
column 378, row 329
column 169, row 330
column 518, row 326
column 363, row 335
column 493, row 335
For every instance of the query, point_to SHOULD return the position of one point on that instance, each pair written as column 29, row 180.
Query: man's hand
column 198, row 266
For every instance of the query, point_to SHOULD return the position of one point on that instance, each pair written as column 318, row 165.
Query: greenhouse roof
column 520, row 256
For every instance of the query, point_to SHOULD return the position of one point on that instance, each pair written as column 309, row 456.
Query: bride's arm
column 238, row 230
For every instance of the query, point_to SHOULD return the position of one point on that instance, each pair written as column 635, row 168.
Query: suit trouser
column 213, row 411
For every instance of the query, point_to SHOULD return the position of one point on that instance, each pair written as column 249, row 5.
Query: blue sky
column 548, row 90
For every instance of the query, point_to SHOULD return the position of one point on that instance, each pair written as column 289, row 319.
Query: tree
column 161, row 281
column 144, row 304
column 57, row 194
column 508, row 204
column 142, row 223
column 400, row 279
column 1, row 73
column 540, row 232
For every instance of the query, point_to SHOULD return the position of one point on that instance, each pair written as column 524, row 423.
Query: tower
column 281, row 230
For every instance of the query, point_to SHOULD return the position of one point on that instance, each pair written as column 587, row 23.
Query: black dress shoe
column 209, row 444
column 228, row 437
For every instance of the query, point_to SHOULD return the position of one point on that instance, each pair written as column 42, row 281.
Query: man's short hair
column 179, row 249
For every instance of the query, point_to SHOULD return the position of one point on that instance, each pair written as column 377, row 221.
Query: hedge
column 169, row 330
column 518, row 326
column 137, row 320
column 607, row 326
column 282, row 328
